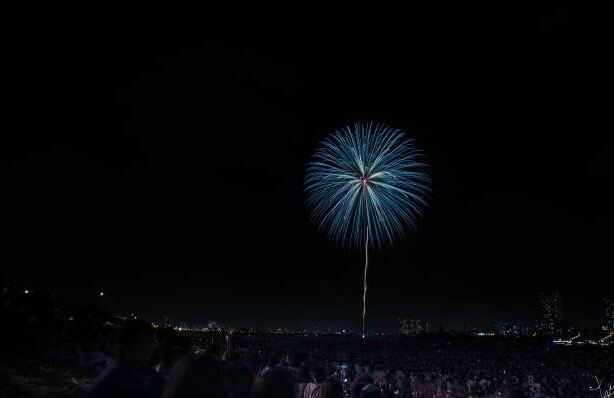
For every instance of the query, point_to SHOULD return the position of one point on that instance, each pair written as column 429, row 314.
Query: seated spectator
column 331, row 388
column 370, row 391
column 239, row 379
column 196, row 376
column 303, row 379
column 214, row 350
column 277, row 382
column 359, row 383
column 126, row 378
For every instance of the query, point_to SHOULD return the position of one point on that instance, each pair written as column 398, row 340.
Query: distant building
column 412, row 327
column 608, row 324
column 550, row 305
column 510, row 329
column 167, row 321
column 404, row 326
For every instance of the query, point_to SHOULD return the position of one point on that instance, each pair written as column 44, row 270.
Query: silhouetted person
column 303, row 379
column 126, row 377
column 239, row 379
column 370, row 391
column 196, row 376
column 171, row 347
column 312, row 388
column 359, row 383
column 278, row 382
column 214, row 350
column 331, row 388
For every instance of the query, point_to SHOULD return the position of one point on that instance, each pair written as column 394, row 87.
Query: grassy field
column 26, row 377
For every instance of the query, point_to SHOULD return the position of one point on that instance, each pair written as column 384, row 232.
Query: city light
column 101, row 294
column 26, row 291
column 606, row 338
column 567, row 342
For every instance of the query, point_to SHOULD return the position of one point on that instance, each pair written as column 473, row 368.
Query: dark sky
column 167, row 169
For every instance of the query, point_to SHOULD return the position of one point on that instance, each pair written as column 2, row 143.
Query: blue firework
column 367, row 185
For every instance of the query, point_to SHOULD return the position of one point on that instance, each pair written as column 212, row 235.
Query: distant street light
column 101, row 294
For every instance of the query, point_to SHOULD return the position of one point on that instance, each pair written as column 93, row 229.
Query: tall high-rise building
column 550, row 305
column 404, row 325
column 608, row 325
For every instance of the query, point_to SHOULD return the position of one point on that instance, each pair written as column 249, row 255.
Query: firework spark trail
column 365, row 185
column 364, row 289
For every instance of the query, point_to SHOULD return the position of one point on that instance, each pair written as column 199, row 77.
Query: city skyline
column 549, row 319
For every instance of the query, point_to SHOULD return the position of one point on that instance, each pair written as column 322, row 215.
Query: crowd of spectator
column 91, row 353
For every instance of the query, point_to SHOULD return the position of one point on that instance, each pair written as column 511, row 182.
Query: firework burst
column 366, row 185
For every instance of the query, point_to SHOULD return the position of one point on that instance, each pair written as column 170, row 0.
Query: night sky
column 167, row 168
